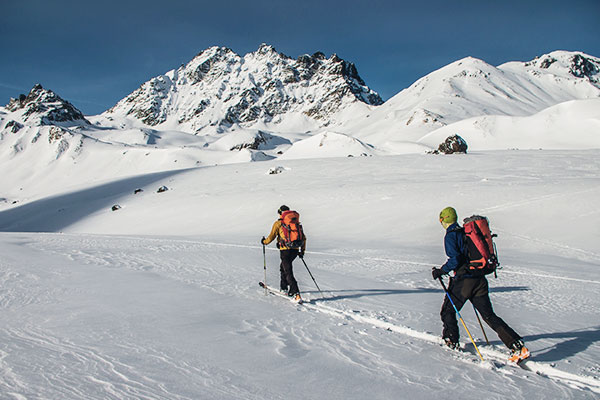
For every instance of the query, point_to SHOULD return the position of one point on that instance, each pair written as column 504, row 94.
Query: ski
column 278, row 293
column 490, row 354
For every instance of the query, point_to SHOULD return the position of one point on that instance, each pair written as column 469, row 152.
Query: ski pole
column 459, row 316
column 311, row 275
column 480, row 324
column 265, row 265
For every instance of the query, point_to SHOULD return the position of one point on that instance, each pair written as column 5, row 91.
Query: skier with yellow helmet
column 468, row 286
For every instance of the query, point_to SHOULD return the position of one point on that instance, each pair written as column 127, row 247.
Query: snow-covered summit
column 44, row 107
column 219, row 88
column 471, row 87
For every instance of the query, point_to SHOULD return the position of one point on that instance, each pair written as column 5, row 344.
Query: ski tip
column 261, row 284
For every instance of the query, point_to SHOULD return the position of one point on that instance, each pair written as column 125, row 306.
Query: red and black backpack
column 292, row 235
column 483, row 258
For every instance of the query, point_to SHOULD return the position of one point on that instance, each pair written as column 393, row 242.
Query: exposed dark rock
column 452, row 144
column 276, row 170
column 259, row 139
column 582, row 67
column 546, row 63
column 115, row 207
column 162, row 189
column 56, row 133
column 14, row 126
column 318, row 56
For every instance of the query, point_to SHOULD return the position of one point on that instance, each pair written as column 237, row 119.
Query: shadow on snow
column 52, row 214
column 577, row 342
column 358, row 293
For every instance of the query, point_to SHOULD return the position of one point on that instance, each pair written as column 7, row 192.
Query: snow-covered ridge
column 219, row 88
column 563, row 63
column 223, row 108
column 471, row 87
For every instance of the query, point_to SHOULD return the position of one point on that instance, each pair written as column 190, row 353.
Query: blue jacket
column 456, row 248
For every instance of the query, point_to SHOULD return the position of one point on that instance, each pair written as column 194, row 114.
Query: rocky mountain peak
column 267, row 49
column 45, row 107
column 219, row 88
column 211, row 62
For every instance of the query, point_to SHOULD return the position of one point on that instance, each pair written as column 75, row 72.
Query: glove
column 437, row 273
column 301, row 254
column 262, row 241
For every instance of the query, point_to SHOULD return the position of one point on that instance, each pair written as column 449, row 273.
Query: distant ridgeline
column 225, row 108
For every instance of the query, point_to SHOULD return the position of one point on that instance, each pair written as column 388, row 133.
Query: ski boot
column 451, row 344
column 518, row 352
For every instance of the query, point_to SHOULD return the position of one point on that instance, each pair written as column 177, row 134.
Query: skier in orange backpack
column 291, row 243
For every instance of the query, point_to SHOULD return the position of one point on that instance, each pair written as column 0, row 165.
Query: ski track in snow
column 120, row 380
column 489, row 353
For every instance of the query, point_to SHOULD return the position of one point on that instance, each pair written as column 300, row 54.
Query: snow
column 160, row 298
column 470, row 88
column 328, row 144
column 569, row 125
column 108, row 292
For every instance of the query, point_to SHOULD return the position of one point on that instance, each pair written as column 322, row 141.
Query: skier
column 287, row 254
column 467, row 286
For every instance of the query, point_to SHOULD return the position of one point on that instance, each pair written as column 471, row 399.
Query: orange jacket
column 276, row 232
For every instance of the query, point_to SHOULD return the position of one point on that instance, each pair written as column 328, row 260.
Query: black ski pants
column 287, row 271
column 476, row 290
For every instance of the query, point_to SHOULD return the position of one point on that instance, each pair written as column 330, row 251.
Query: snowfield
column 160, row 299
column 113, row 289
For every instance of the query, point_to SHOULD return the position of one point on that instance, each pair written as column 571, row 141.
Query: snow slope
column 329, row 144
column 160, row 298
column 470, row 88
column 570, row 125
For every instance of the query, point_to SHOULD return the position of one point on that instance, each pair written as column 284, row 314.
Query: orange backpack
column 292, row 235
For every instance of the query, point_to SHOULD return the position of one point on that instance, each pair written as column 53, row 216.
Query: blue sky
column 93, row 53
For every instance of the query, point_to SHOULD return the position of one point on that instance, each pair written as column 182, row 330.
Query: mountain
column 222, row 108
column 44, row 107
column 43, row 122
column 219, row 89
column 471, row 88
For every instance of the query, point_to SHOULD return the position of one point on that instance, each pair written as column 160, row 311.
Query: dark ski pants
column 476, row 290
column 287, row 271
